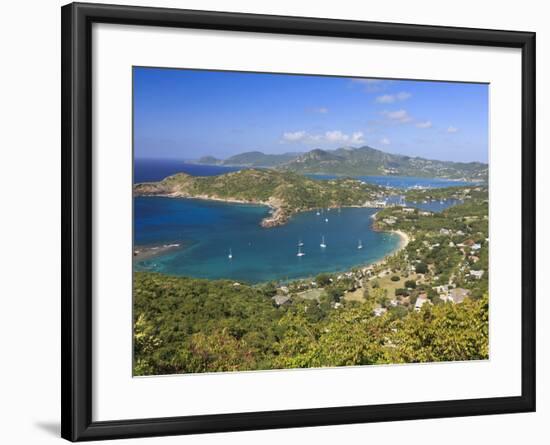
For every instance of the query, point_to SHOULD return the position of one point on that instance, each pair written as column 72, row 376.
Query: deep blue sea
column 150, row 170
column 208, row 231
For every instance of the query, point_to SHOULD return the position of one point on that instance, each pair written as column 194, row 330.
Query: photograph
column 303, row 221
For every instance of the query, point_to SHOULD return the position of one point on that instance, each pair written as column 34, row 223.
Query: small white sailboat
column 300, row 253
column 318, row 213
column 323, row 245
column 230, row 256
column 360, row 245
column 300, row 243
column 326, row 219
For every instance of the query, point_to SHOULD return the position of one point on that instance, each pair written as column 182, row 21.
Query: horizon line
column 305, row 152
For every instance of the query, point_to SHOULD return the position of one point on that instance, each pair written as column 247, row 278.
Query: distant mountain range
column 355, row 162
column 251, row 159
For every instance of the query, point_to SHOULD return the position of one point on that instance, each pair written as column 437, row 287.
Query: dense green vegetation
column 184, row 325
column 460, row 192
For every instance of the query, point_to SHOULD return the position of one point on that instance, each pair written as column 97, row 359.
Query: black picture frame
column 76, row 130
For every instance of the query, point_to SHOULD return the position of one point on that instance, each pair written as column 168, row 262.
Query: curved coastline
column 405, row 239
column 147, row 252
column 278, row 214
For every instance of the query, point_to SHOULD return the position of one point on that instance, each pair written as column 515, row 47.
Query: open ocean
column 208, row 230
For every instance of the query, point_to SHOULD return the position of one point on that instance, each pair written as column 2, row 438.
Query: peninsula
column 286, row 193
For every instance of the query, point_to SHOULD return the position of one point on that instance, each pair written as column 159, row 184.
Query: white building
column 420, row 301
column 477, row 274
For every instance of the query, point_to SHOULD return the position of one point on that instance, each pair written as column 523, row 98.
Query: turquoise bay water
column 207, row 230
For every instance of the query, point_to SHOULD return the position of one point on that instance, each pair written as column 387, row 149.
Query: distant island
column 351, row 161
column 251, row 159
column 285, row 192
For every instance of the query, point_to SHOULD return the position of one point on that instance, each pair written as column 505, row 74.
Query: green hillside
column 355, row 162
column 250, row 159
column 186, row 325
column 370, row 161
column 287, row 192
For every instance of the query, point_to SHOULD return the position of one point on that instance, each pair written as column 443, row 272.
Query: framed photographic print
column 276, row 222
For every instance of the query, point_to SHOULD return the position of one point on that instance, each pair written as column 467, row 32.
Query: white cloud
column 357, row 138
column 400, row 116
column 452, row 129
column 385, row 99
column 385, row 141
column 294, row 136
column 391, row 98
column 334, row 136
column 425, row 124
column 329, row 137
column 321, row 110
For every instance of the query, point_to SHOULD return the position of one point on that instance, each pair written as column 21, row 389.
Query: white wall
column 29, row 224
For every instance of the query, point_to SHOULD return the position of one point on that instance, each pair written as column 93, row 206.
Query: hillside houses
column 477, row 274
column 421, row 301
column 455, row 296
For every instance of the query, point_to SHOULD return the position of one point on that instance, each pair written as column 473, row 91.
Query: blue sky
column 186, row 114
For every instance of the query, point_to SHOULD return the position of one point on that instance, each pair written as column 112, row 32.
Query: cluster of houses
column 451, row 295
column 446, row 292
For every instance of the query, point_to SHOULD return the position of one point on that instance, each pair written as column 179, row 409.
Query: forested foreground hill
column 184, row 325
column 287, row 192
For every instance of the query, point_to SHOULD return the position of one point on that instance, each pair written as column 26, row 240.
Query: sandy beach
column 405, row 239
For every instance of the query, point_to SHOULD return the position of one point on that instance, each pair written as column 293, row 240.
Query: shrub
column 323, row 279
column 421, row 268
